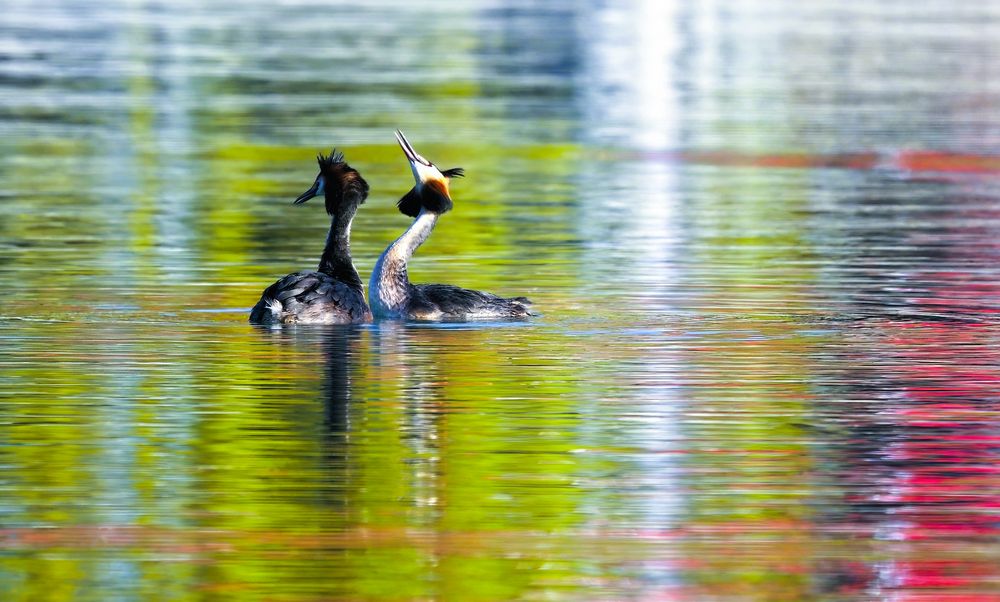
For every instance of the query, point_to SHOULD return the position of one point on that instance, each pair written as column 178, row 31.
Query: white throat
column 422, row 173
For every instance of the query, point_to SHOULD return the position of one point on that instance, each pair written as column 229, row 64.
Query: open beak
column 317, row 188
column 408, row 150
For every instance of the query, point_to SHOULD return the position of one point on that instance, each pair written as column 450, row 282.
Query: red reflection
column 936, row 453
column 946, row 162
column 915, row 161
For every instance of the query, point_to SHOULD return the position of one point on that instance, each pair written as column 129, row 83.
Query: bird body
column 449, row 302
column 389, row 288
column 311, row 298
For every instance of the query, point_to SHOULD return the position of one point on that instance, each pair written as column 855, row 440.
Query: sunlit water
column 761, row 237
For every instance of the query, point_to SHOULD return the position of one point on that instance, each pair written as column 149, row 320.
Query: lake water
column 762, row 238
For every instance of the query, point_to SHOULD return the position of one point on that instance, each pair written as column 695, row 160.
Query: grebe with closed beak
column 334, row 293
column 389, row 289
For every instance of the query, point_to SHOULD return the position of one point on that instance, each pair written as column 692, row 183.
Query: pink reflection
column 931, row 473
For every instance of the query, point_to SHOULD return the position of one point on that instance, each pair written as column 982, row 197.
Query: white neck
column 389, row 286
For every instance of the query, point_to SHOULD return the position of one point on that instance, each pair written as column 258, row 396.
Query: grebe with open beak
column 389, row 289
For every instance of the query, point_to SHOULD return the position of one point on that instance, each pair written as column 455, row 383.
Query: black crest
column 343, row 183
column 328, row 161
column 454, row 172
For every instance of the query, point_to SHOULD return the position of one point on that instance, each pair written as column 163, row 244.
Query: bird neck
column 336, row 259
column 407, row 244
column 389, row 287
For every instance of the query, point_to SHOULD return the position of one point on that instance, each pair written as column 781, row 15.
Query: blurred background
column 761, row 237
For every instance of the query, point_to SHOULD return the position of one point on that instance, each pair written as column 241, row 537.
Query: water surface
column 761, row 239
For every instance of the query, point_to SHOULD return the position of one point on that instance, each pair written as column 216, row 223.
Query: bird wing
column 315, row 296
column 456, row 301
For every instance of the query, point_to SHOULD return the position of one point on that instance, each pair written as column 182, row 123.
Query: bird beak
column 411, row 154
column 317, row 189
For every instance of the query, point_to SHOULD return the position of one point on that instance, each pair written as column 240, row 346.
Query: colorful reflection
column 761, row 236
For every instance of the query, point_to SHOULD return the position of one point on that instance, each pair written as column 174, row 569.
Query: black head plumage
column 343, row 186
column 410, row 203
column 433, row 196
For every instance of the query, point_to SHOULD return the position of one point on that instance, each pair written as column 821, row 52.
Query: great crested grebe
column 390, row 291
column 334, row 294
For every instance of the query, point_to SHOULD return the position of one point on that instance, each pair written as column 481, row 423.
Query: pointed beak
column 317, row 188
column 411, row 154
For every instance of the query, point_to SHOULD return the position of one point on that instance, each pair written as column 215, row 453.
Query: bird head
column 430, row 190
column 341, row 185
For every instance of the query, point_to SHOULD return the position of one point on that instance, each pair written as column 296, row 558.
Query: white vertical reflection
column 175, row 147
column 630, row 105
column 627, row 93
